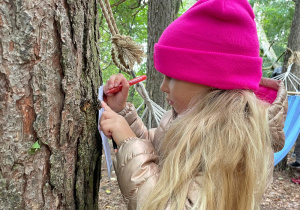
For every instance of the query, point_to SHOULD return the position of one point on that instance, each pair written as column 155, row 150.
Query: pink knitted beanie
column 214, row 43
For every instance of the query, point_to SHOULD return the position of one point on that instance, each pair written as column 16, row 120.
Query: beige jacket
column 136, row 160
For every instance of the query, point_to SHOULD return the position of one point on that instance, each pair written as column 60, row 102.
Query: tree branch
column 118, row 3
column 142, row 7
column 108, row 65
column 272, row 66
column 137, row 6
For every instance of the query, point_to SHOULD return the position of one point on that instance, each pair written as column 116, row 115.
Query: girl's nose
column 163, row 86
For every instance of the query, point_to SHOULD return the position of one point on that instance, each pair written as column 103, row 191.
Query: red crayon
column 131, row 82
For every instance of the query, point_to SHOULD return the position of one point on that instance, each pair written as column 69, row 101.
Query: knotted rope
column 294, row 58
column 124, row 48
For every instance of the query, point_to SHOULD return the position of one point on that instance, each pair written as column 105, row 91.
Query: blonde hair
column 225, row 139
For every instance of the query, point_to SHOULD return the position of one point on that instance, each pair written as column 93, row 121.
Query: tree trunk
column 294, row 45
column 160, row 15
column 49, row 75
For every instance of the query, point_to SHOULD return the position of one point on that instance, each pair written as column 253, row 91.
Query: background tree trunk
column 49, row 75
column 294, row 45
column 160, row 15
column 294, row 42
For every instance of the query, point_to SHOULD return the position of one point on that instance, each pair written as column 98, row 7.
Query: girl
column 214, row 149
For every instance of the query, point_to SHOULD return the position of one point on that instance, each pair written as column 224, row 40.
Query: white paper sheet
column 104, row 138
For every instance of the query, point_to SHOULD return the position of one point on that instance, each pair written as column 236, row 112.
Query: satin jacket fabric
column 137, row 158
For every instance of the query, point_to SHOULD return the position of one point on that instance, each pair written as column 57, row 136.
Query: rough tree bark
column 160, row 15
column 294, row 45
column 49, row 74
column 294, row 42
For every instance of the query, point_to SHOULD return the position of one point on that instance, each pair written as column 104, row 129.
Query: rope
column 155, row 109
column 294, row 58
column 124, row 52
column 127, row 51
column 111, row 16
column 109, row 19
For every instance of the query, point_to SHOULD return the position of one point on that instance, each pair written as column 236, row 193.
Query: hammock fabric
column 291, row 128
column 292, row 122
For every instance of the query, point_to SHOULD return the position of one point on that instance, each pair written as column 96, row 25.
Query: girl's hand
column 114, row 125
column 116, row 101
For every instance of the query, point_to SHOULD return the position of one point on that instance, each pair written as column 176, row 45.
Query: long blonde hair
column 224, row 139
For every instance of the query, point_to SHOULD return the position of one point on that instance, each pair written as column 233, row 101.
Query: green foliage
column 34, row 148
column 276, row 17
column 185, row 5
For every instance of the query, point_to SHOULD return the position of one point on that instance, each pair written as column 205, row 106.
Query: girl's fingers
column 107, row 127
column 105, row 106
column 118, row 79
column 116, row 101
column 109, row 121
column 108, row 115
column 105, row 86
column 107, row 134
column 125, row 85
column 108, row 112
column 109, row 83
column 114, row 81
column 116, row 127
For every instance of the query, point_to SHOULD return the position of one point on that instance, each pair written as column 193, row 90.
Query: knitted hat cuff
column 218, row 70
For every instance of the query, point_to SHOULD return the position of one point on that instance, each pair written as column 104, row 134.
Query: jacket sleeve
column 136, row 162
column 277, row 114
column 137, row 170
column 136, row 123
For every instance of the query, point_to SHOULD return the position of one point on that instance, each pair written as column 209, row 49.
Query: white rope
column 144, row 113
column 154, row 109
column 140, row 106
column 288, row 71
column 292, row 83
column 296, row 79
column 149, row 118
column 279, row 77
column 288, row 76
